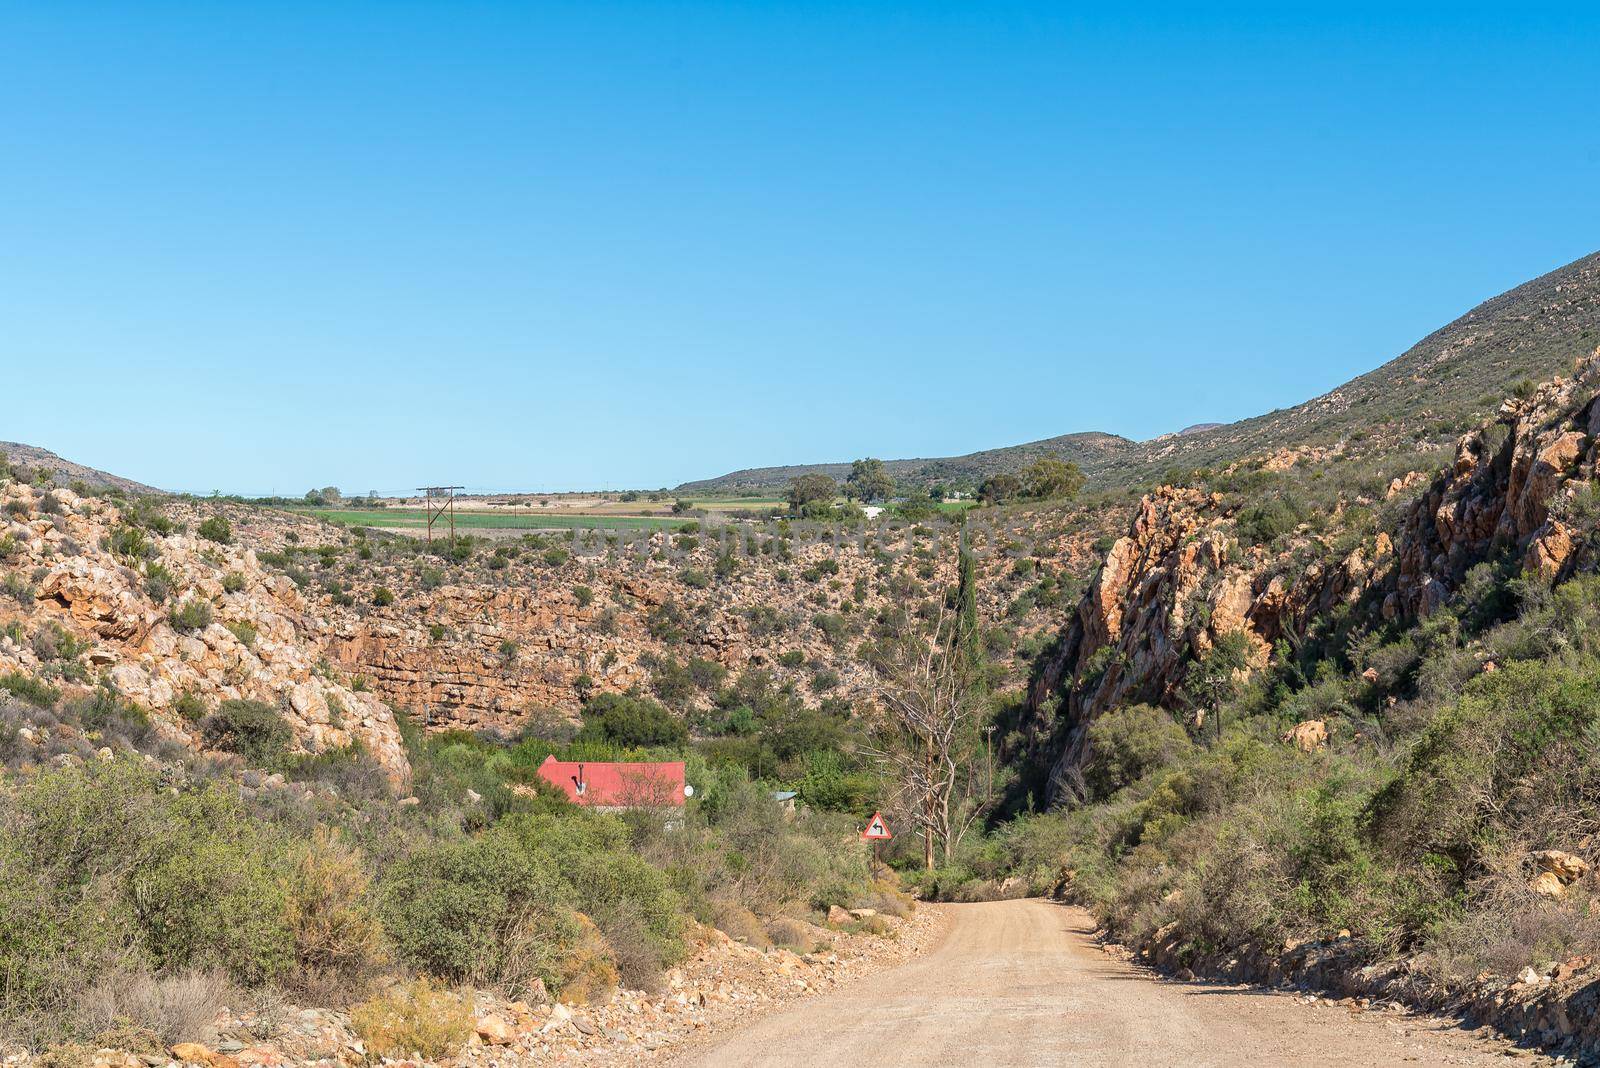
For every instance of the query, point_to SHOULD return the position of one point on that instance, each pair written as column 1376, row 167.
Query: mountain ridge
column 67, row 471
column 1449, row 380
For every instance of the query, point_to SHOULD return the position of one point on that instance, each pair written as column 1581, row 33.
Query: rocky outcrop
column 1170, row 590
column 251, row 636
column 1178, row 580
column 1498, row 496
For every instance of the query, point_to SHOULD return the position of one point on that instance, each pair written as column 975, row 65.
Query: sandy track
column 1019, row 983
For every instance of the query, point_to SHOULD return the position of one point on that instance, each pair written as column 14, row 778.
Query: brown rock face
column 258, row 643
column 1178, row 580
column 1498, row 495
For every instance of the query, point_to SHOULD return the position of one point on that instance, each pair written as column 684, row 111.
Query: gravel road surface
column 1024, row 983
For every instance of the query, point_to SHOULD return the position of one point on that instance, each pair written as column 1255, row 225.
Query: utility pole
column 440, row 501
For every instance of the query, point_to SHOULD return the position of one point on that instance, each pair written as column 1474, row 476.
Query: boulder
column 495, row 1031
column 1308, row 736
column 1547, row 884
column 838, row 916
column 1564, row 866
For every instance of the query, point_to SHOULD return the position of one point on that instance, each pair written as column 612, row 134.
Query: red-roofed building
column 612, row 786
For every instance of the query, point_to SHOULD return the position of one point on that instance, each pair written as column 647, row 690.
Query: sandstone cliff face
column 484, row 652
column 1168, row 590
column 1497, row 496
column 1178, row 579
column 488, row 647
column 63, row 572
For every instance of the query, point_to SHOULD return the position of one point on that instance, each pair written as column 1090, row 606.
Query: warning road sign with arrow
column 877, row 830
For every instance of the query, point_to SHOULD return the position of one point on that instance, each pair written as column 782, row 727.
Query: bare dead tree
column 929, row 739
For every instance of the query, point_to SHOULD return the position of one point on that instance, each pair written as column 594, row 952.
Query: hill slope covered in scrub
column 65, row 472
column 1324, row 701
column 1433, row 391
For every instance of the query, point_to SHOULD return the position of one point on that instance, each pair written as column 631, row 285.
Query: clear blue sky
column 257, row 247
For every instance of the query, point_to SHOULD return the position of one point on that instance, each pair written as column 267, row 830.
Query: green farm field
column 408, row 518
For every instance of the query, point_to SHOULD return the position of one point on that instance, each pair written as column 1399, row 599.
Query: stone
column 1308, row 736
column 1548, row 884
column 195, row 1053
column 1564, row 866
column 495, row 1031
column 838, row 916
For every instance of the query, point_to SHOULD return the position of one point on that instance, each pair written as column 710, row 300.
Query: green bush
column 193, row 614
column 483, row 911
column 35, row 691
column 253, row 730
column 103, row 869
column 631, row 722
column 216, row 528
column 1126, row 744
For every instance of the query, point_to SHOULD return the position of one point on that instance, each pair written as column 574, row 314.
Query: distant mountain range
column 1434, row 390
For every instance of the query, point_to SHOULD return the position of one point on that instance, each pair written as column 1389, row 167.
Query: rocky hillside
column 64, row 472
column 96, row 591
column 1090, row 450
column 1433, row 391
column 529, row 628
column 1199, row 568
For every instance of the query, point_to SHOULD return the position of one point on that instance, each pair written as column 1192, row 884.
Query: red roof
column 612, row 785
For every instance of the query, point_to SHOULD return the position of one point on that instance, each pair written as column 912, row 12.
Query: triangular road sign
column 877, row 830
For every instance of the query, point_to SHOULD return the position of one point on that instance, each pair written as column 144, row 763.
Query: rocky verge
column 724, row 982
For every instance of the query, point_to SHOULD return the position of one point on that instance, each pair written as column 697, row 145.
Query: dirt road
column 1023, row 983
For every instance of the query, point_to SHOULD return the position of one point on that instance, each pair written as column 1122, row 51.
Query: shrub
column 174, row 1008
column 417, row 1019
column 193, row 614
column 1260, row 523
column 1126, row 744
column 232, row 582
column 555, row 556
column 383, row 596
column 216, row 528
column 158, row 581
column 190, row 705
column 245, row 632
column 17, row 588
column 477, row 912
column 102, row 868
column 338, row 942
column 631, row 722
column 251, row 729
column 34, row 691
column 130, row 542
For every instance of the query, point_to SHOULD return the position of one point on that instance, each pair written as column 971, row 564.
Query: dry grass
column 338, row 943
column 588, row 970
column 791, row 933
column 736, row 921
column 174, row 1008
column 415, row 1019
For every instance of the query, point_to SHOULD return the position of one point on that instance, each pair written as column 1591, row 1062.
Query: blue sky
column 264, row 247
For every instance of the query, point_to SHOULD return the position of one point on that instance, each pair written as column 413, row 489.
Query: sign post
column 877, row 831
